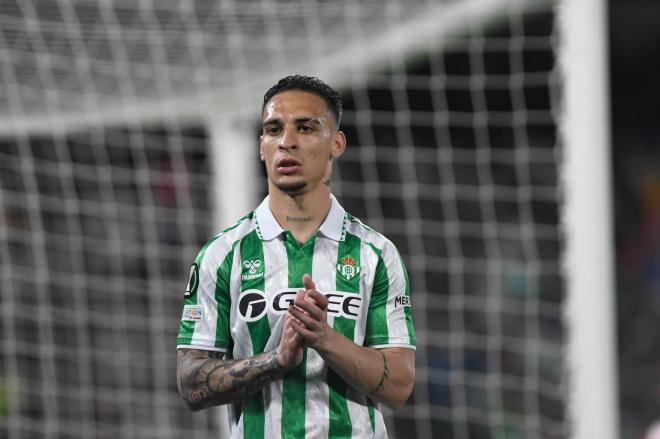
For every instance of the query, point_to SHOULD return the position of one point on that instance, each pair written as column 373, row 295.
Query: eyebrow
column 278, row 121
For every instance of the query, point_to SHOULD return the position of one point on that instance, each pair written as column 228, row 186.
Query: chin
column 292, row 188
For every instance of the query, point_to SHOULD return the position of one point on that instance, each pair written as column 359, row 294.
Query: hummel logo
column 252, row 265
column 254, row 269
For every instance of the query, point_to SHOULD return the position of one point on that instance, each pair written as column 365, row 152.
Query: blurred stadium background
column 128, row 137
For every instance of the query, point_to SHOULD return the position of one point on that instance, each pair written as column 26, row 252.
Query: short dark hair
column 309, row 84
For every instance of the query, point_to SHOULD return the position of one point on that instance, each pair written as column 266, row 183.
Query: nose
column 289, row 139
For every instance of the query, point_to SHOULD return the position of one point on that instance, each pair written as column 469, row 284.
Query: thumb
column 308, row 283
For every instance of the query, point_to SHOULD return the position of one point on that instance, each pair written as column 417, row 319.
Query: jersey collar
column 333, row 227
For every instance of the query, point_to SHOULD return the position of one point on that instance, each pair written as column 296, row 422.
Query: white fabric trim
column 332, row 227
column 201, row 348
column 393, row 345
column 266, row 222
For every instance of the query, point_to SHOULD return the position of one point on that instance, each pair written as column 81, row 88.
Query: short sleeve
column 205, row 317
column 389, row 317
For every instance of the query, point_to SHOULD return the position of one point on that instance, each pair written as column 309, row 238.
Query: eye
column 272, row 130
column 306, row 128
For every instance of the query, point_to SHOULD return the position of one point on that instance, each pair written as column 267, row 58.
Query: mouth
column 288, row 166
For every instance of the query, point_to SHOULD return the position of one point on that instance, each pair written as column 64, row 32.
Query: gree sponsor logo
column 253, row 304
column 252, row 269
column 340, row 303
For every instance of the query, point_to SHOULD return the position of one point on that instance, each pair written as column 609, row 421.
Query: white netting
column 97, row 227
column 105, row 187
column 455, row 158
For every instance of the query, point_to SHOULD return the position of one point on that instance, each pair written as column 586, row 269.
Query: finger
column 289, row 318
column 303, row 318
column 292, row 337
column 308, row 283
column 310, row 308
column 308, row 298
column 302, row 331
column 300, row 317
column 320, row 299
column 286, row 331
column 300, row 295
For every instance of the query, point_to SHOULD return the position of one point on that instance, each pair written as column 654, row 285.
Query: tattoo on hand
column 205, row 382
column 383, row 378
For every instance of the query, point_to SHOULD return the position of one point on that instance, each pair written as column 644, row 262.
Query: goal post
column 588, row 219
column 234, row 183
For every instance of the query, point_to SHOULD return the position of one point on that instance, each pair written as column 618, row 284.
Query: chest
column 264, row 283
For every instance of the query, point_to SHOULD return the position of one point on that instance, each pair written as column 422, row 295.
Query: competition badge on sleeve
column 193, row 280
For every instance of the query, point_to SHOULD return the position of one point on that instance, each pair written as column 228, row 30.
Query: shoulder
column 219, row 246
column 376, row 241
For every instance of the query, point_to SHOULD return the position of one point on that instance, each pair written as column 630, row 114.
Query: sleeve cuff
column 201, row 348
column 393, row 345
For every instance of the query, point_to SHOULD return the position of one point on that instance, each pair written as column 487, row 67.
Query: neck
column 301, row 214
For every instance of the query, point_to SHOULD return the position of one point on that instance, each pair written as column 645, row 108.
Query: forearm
column 386, row 375
column 205, row 380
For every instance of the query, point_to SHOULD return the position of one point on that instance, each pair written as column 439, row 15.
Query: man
column 299, row 314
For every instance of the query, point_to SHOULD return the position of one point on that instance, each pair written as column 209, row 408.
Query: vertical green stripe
column 408, row 309
column 377, row 332
column 294, row 382
column 372, row 415
column 252, row 250
column 187, row 328
column 223, row 300
column 348, row 279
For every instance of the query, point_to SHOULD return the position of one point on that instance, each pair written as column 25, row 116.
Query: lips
column 288, row 166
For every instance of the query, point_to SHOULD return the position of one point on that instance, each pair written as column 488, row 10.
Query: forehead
column 295, row 103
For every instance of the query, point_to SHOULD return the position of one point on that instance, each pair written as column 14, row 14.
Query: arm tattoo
column 386, row 373
column 208, row 379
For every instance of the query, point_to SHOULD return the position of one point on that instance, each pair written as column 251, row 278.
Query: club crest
column 348, row 267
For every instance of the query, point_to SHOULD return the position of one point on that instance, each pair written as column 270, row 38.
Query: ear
column 338, row 145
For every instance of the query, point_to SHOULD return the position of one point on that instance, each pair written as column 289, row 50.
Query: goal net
column 109, row 151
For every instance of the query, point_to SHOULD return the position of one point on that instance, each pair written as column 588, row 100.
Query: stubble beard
column 294, row 188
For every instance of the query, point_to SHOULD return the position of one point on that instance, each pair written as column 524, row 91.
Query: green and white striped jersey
column 240, row 286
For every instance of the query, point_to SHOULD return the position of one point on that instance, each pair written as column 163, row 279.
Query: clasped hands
column 305, row 324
